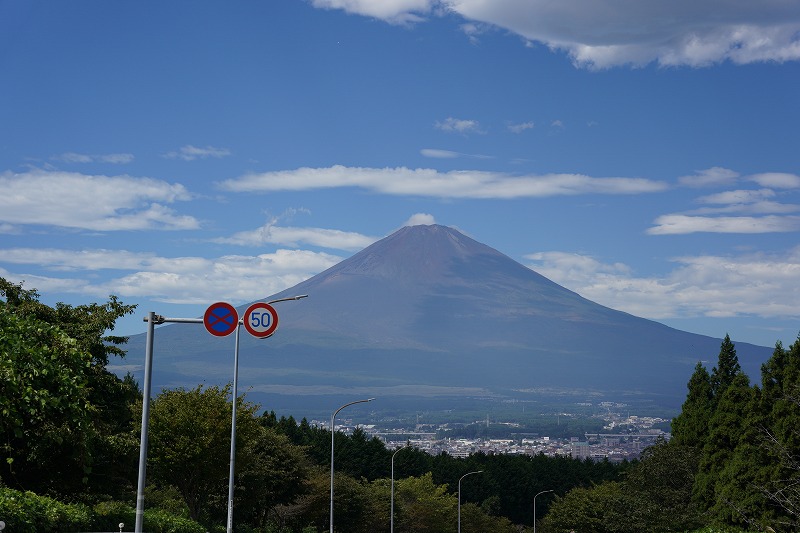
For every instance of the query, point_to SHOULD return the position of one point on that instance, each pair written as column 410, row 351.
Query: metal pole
column 534, row 508
column 333, row 432
column 233, row 429
column 391, row 520
column 148, row 370
column 459, row 495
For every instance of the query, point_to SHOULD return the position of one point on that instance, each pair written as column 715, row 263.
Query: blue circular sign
column 221, row 319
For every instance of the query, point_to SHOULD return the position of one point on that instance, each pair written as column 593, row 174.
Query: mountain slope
column 428, row 311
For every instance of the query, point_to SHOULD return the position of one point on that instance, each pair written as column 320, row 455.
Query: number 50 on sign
column 260, row 320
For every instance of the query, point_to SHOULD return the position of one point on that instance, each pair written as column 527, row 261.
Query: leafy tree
column 64, row 414
column 658, row 489
column 189, row 446
column 190, row 450
column 421, row 505
column 600, row 509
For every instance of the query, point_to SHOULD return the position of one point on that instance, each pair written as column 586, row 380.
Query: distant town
column 623, row 437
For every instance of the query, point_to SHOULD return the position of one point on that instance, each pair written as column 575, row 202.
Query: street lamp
column 534, row 508
column 233, row 413
column 391, row 520
column 333, row 433
column 459, row 495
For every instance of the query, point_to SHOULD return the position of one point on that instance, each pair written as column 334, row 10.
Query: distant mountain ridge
column 430, row 312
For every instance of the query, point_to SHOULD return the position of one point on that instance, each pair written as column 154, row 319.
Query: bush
column 26, row 512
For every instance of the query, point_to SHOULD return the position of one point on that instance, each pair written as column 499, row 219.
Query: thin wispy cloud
column 745, row 211
column 272, row 233
column 519, row 128
column 625, row 32
column 432, row 183
column 104, row 203
column 683, row 224
column 117, row 159
column 439, row 154
column 190, row 153
column 457, row 125
column 712, row 177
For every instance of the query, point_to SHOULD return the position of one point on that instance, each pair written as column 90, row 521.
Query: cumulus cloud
column 621, row 32
column 420, row 219
column 711, row 286
column 106, row 203
column 272, row 233
column 178, row 280
column 190, row 153
column 432, row 183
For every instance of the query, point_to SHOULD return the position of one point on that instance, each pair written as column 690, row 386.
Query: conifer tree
column 726, row 370
column 690, row 427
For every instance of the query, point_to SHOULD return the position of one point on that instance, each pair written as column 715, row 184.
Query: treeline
column 733, row 462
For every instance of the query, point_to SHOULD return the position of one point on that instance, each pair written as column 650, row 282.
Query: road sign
column 260, row 320
column 221, row 319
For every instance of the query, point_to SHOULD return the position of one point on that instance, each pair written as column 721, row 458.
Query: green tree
column 727, row 368
column 74, row 434
column 721, row 482
column 189, row 440
column 599, row 509
column 690, row 427
column 658, row 489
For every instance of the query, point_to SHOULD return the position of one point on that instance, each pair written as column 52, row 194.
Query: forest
column 69, row 436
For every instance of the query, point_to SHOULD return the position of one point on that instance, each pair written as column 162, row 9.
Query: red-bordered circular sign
column 261, row 320
column 221, row 319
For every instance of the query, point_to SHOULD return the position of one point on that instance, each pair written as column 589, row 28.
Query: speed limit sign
column 260, row 320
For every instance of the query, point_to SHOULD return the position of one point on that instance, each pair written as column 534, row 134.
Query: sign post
column 220, row 319
column 260, row 320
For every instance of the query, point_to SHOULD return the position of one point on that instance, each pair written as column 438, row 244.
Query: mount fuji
column 429, row 315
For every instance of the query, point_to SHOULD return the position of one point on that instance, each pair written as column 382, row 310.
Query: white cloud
column 271, row 233
column 72, row 157
column 519, row 128
column 737, row 197
column 190, row 153
column 683, row 224
column 393, row 11
column 715, row 176
column 711, row 286
column 429, row 182
column 622, row 32
column 439, row 154
column 457, row 125
column 104, row 203
column 179, row 280
column 420, row 219
column 777, row 180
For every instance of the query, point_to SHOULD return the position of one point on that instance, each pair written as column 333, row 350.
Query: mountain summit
column 430, row 312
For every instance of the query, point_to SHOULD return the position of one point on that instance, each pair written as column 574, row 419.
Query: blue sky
column 642, row 154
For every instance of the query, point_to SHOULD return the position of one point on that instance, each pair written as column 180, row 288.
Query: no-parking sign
column 260, row 320
column 221, row 319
